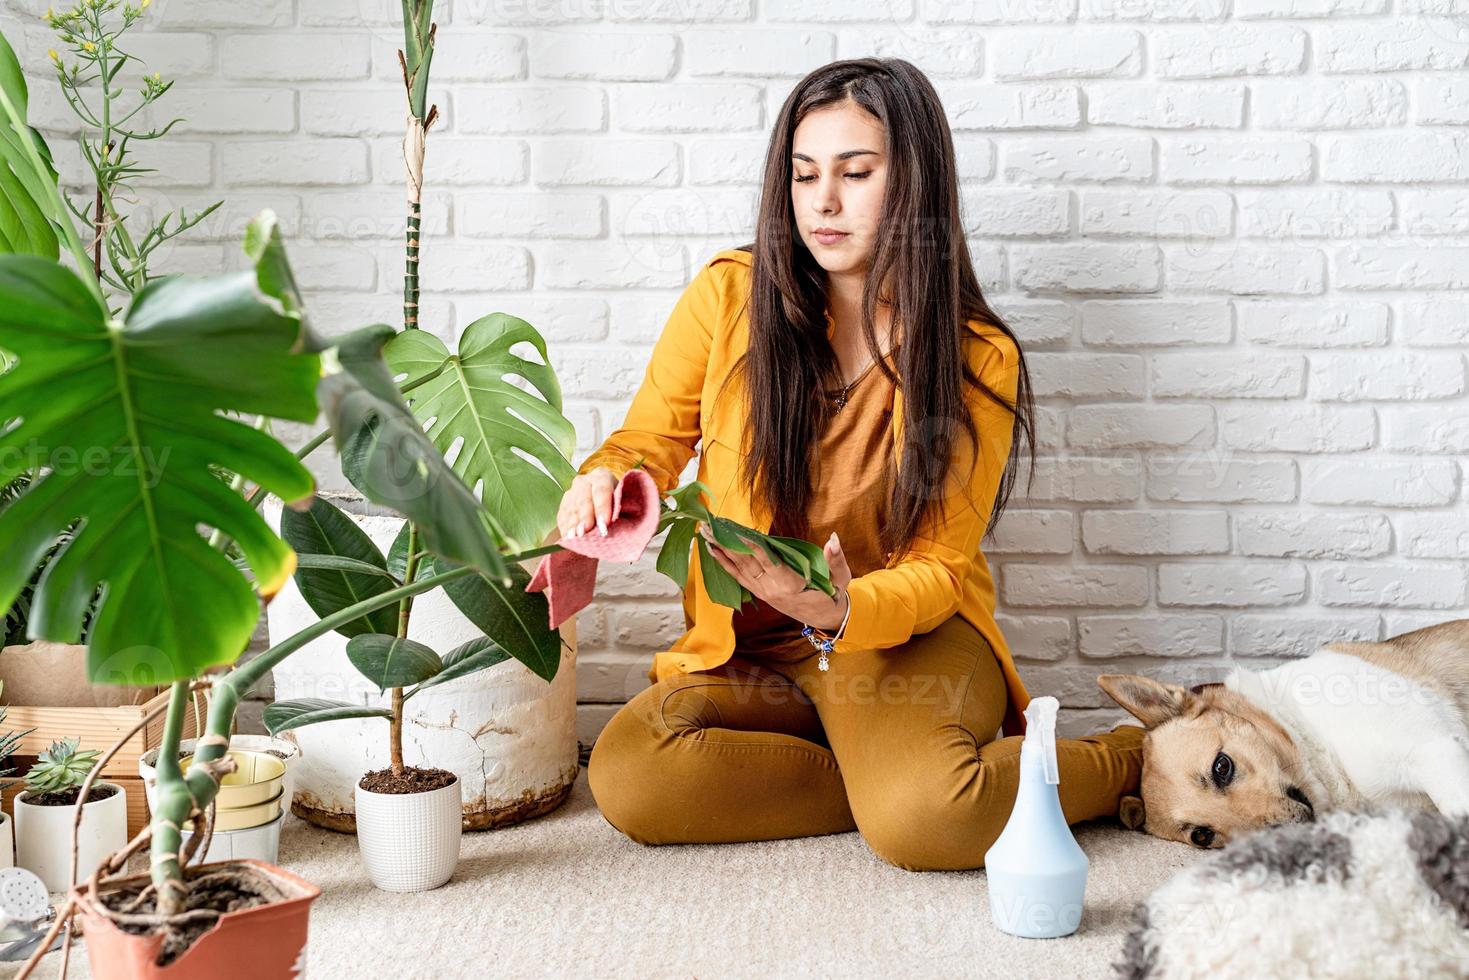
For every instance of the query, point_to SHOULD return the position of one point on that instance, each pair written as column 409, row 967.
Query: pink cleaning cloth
column 569, row 576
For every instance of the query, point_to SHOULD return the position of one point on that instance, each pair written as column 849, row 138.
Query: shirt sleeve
column 890, row 605
column 662, row 424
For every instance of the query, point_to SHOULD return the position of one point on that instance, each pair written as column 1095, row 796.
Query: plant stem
column 178, row 795
column 405, row 607
column 172, row 794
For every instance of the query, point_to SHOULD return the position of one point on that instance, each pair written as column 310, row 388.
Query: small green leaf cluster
column 61, row 767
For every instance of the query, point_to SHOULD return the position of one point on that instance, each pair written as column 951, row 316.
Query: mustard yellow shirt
column 676, row 410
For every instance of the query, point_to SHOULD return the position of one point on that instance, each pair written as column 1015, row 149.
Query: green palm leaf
column 471, row 400
column 128, row 419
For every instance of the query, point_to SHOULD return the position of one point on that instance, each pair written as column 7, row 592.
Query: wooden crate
column 98, row 728
column 131, row 785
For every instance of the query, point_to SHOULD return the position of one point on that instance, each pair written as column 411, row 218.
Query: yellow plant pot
column 257, row 779
column 245, row 817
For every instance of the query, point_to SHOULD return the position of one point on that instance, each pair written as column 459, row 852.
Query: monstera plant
column 148, row 432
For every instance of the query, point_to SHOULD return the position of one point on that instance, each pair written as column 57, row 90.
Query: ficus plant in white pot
column 507, row 734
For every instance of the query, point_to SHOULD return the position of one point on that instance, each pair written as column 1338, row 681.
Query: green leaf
column 731, row 536
column 808, row 559
column 472, row 657
column 503, row 430
column 673, row 557
column 339, row 564
column 392, row 661
column 386, row 455
column 514, row 618
column 129, row 420
column 722, row 587
column 26, row 219
column 285, row 715
column 325, row 531
column 418, row 51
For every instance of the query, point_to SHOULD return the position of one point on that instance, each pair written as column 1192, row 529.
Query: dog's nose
column 1297, row 795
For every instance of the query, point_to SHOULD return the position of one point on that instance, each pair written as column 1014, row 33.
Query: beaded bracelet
column 819, row 638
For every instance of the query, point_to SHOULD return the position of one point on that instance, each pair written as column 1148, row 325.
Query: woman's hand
column 587, row 502
column 782, row 587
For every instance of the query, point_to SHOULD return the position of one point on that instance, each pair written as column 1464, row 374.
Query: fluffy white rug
column 566, row 895
column 1354, row 895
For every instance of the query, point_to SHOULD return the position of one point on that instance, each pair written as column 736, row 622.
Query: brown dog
column 1352, row 724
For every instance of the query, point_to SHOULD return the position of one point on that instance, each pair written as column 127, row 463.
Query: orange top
column 851, row 480
column 683, row 402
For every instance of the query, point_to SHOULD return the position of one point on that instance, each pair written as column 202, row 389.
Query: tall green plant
column 415, row 57
column 92, row 32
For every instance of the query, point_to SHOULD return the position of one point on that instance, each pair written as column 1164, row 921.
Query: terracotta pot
column 267, row 942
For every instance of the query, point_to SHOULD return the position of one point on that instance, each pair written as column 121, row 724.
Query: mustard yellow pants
column 897, row 743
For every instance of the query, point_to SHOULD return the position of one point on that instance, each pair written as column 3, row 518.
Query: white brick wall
column 1235, row 237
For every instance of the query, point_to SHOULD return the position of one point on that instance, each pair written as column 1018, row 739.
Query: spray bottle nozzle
column 1040, row 730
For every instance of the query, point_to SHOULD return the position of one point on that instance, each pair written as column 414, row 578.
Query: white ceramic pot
column 148, row 761
column 262, row 843
column 410, row 841
column 43, row 836
column 508, row 735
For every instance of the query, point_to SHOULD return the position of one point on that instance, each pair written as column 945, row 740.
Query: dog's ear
column 1131, row 812
column 1150, row 702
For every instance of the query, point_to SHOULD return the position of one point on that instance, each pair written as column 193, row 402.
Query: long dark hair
column 921, row 252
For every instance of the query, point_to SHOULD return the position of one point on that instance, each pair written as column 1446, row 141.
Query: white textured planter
column 43, row 837
column 148, row 762
column 261, row 843
column 410, row 841
column 7, row 842
column 508, row 735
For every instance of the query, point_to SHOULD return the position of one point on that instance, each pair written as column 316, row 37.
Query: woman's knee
column 922, row 826
column 617, row 775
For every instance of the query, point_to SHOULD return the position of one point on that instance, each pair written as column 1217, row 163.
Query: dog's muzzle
column 1296, row 794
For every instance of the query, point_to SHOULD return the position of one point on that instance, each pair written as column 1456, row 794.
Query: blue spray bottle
column 1036, row 870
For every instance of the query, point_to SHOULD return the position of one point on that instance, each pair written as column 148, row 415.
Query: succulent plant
column 61, row 767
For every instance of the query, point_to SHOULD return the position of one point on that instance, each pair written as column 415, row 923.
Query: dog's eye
column 1223, row 771
column 1202, row 837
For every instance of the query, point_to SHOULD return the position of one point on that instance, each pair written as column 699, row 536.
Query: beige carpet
column 566, row 895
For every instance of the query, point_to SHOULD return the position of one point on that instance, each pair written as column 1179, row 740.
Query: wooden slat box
column 97, row 727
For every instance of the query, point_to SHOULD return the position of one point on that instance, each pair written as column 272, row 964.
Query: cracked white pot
column 508, row 735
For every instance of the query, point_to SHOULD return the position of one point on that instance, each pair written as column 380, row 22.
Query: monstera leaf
column 25, row 216
column 470, row 400
column 386, row 455
column 126, row 422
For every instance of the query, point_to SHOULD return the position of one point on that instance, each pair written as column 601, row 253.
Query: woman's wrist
column 841, row 609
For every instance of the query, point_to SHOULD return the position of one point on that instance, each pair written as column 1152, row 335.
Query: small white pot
column 262, row 843
column 410, row 841
column 43, row 836
column 148, row 762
